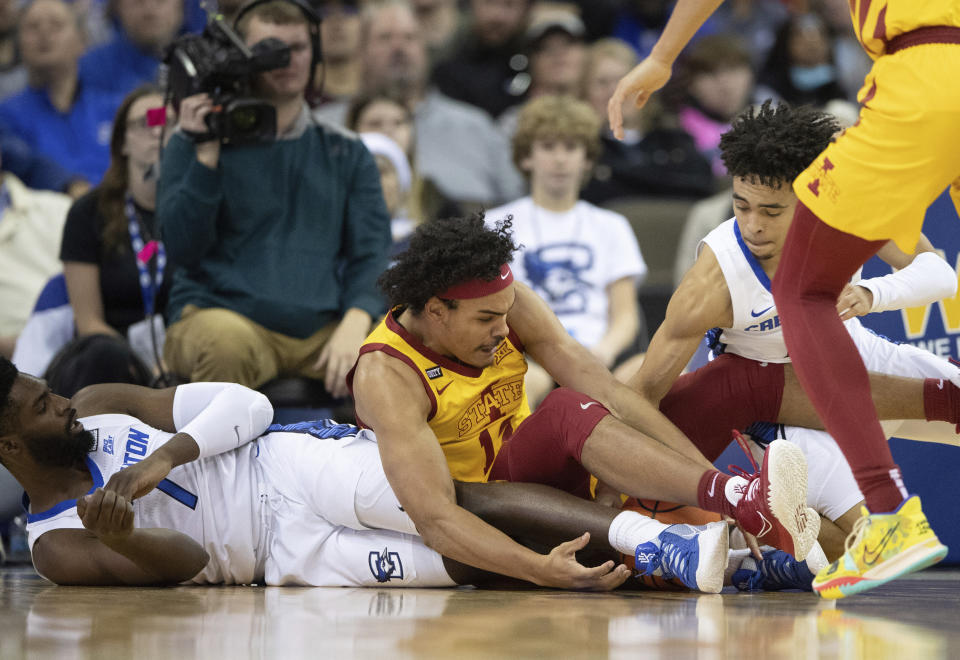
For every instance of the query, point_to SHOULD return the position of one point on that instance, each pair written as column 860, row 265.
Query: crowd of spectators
column 195, row 260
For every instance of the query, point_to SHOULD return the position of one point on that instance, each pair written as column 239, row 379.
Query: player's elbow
column 433, row 525
column 193, row 566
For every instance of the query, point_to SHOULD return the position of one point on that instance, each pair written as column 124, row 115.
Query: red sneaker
column 774, row 507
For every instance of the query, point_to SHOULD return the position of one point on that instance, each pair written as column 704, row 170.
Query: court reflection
column 238, row 622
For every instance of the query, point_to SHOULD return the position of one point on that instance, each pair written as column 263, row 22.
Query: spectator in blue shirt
column 38, row 172
column 132, row 57
column 57, row 116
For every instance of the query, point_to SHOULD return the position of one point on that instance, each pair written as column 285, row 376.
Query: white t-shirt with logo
column 571, row 258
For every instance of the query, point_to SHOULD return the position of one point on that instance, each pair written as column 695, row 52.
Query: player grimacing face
column 764, row 215
column 47, row 424
column 475, row 329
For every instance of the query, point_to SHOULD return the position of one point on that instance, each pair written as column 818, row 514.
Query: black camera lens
column 245, row 119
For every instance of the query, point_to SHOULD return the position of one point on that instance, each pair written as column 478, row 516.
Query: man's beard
column 62, row 451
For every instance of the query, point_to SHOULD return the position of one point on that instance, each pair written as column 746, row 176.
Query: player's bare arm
column 574, row 366
column 110, row 551
column 700, row 303
column 390, row 400
column 654, row 71
column 151, row 406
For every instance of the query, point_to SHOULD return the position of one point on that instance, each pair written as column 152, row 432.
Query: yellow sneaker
column 881, row 547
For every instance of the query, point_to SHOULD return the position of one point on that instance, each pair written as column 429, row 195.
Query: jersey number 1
column 506, row 430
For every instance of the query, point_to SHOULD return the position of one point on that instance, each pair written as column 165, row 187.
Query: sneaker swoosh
column 870, row 556
column 584, row 406
column 761, row 312
column 441, row 390
column 712, row 484
column 767, row 526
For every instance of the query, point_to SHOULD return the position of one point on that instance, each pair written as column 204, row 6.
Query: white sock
column 629, row 529
column 735, row 489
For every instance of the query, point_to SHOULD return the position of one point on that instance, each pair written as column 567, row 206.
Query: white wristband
column 220, row 416
column 926, row 279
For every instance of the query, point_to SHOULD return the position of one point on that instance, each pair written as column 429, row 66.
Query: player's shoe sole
column 786, row 492
column 714, row 543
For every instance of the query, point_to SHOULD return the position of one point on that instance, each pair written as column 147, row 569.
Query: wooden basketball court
column 916, row 617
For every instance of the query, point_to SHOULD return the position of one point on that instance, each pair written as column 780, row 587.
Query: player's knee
column 577, row 416
column 560, row 399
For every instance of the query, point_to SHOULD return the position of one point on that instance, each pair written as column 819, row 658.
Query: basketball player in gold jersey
column 440, row 382
column 872, row 184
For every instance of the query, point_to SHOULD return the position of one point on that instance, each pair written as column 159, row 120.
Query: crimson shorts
column 546, row 447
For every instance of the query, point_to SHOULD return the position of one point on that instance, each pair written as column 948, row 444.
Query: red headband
column 479, row 288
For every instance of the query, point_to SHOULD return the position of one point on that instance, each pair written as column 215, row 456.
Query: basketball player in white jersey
column 727, row 294
column 128, row 485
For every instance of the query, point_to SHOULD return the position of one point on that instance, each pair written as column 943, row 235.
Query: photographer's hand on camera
column 193, row 111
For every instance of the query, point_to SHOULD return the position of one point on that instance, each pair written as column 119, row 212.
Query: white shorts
column 831, row 487
column 333, row 519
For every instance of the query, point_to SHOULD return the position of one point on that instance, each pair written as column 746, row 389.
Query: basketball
column 668, row 513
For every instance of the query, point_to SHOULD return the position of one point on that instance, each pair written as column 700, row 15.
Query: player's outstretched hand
column 565, row 572
column 140, row 478
column 106, row 514
column 854, row 300
column 637, row 86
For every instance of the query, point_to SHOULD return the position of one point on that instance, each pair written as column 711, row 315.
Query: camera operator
column 279, row 242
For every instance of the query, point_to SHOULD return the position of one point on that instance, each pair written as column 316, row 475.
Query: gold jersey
column 875, row 22
column 472, row 411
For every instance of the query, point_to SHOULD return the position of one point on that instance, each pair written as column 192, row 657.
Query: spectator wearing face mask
column 800, row 68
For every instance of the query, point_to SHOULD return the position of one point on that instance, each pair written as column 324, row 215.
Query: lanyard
column 149, row 285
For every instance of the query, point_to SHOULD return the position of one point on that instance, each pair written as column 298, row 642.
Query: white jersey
column 305, row 504
column 756, row 332
column 211, row 500
column 571, row 258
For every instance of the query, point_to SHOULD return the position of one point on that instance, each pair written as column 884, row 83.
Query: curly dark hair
column 772, row 145
column 8, row 375
column 445, row 253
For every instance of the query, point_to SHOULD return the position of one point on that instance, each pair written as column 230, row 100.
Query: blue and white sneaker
column 778, row 571
column 694, row 555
